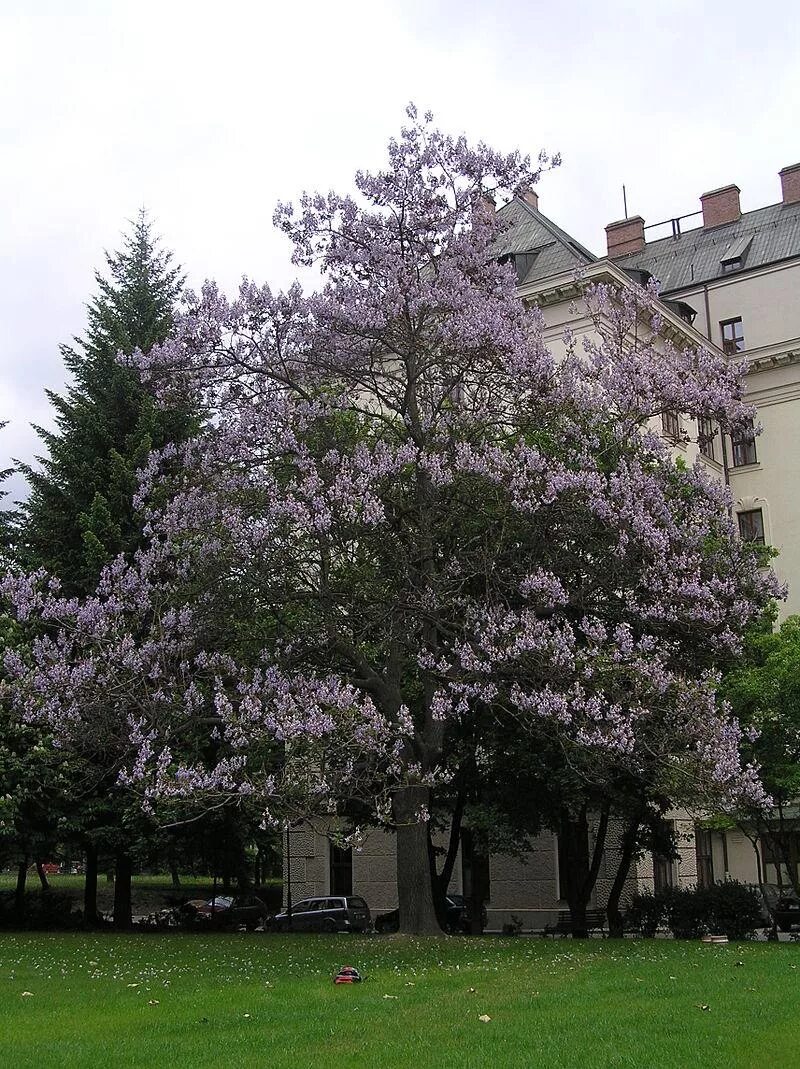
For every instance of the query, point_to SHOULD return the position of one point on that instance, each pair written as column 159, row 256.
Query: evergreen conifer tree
column 80, row 512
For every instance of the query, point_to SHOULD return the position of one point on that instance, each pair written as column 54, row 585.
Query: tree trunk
column 581, row 871
column 174, row 874
column 123, row 918
column 479, row 892
column 439, row 887
column 616, row 926
column 414, row 884
column 441, row 880
column 19, row 893
column 90, row 888
column 42, row 876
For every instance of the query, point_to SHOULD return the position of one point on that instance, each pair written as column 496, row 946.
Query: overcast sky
column 208, row 113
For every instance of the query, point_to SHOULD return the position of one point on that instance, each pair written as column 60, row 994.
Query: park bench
column 595, row 922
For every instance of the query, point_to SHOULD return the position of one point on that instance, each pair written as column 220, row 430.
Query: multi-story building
column 732, row 283
column 741, row 275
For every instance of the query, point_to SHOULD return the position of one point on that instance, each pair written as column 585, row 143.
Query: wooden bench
column 595, row 922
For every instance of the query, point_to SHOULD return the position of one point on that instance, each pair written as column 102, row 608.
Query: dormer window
column 733, row 257
column 522, row 262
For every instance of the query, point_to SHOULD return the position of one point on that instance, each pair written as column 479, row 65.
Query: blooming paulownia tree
column 411, row 512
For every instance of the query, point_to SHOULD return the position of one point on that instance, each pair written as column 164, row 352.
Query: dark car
column 337, row 913
column 787, row 912
column 457, row 917
column 232, row 911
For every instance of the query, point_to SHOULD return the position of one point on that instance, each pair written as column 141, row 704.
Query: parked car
column 338, row 913
column 229, row 911
column 787, row 912
column 457, row 918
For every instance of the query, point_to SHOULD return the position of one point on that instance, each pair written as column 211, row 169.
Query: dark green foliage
column 764, row 690
column 764, row 693
column 685, row 911
column 45, row 911
column 726, row 908
column 80, row 512
column 645, row 913
column 733, row 909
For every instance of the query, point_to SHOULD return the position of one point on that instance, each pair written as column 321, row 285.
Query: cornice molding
column 558, row 289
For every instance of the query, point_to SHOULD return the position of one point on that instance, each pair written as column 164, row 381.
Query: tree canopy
column 427, row 520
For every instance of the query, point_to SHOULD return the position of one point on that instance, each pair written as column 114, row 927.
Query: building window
column 780, row 859
column 341, row 871
column 706, row 437
column 663, row 872
column 705, row 858
column 744, row 447
column 671, row 425
column 732, row 336
column 664, row 867
column 751, row 526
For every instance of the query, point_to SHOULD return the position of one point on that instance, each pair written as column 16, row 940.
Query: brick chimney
column 720, row 206
column 625, row 236
column 530, row 196
column 790, row 184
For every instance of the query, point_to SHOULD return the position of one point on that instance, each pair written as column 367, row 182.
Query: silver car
column 337, row 913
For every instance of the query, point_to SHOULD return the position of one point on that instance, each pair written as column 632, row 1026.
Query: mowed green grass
column 264, row 1000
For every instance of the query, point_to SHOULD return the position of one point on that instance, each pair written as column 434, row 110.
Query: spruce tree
column 80, row 511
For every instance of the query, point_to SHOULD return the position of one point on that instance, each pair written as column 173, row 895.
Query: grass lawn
column 265, row 1000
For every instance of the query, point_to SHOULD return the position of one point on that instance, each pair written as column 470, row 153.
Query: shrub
column 733, row 909
column 645, row 913
column 729, row 908
column 686, row 911
column 48, row 911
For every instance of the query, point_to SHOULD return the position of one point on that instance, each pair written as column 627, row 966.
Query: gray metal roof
column 539, row 247
column 764, row 236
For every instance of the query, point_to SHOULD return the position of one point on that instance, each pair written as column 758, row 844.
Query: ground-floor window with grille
column 664, row 868
column 780, row 858
column 341, row 870
column 705, row 858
